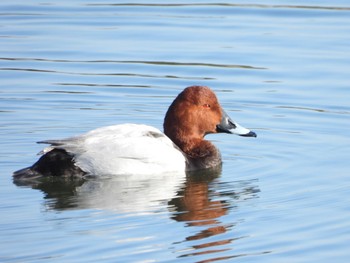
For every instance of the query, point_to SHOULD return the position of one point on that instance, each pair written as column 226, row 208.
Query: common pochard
column 140, row 149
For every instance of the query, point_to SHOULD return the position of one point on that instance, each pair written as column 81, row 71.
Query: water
column 281, row 69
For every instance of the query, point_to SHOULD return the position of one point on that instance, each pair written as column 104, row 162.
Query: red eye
column 207, row 106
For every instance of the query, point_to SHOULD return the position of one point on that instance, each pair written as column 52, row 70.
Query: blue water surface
column 280, row 68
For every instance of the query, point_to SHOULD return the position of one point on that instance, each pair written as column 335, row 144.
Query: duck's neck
column 200, row 153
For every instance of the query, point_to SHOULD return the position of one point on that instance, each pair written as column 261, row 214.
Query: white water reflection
column 125, row 195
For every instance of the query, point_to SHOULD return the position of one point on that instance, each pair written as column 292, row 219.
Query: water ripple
column 338, row 8
column 168, row 63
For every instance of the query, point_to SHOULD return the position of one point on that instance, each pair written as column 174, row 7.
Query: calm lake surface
column 280, row 68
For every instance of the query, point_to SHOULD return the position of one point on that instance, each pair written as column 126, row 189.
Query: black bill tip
column 249, row 134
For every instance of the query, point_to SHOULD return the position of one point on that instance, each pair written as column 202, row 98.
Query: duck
column 139, row 149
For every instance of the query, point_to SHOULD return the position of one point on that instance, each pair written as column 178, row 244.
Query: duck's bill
column 227, row 125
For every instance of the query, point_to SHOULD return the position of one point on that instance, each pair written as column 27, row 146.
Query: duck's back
column 123, row 149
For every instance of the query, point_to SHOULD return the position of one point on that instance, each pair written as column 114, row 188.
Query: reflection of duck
column 189, row 195
column 196, row 205
column 129, row 194
column 59, row 192
column 196, row 208
column 141, row 149
column 199, row 200
column 193, row 202
column 120, row 194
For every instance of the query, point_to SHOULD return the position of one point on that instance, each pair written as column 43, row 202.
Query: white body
column 123, row 149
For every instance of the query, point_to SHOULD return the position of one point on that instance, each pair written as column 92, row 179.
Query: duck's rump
column 56, row 162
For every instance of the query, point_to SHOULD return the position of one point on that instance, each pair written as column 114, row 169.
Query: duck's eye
column 207, row 106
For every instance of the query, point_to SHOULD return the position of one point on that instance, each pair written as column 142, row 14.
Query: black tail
column 56, row 162
column 26, row 173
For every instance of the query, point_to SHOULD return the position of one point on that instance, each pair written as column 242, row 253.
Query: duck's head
column 196, row 112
